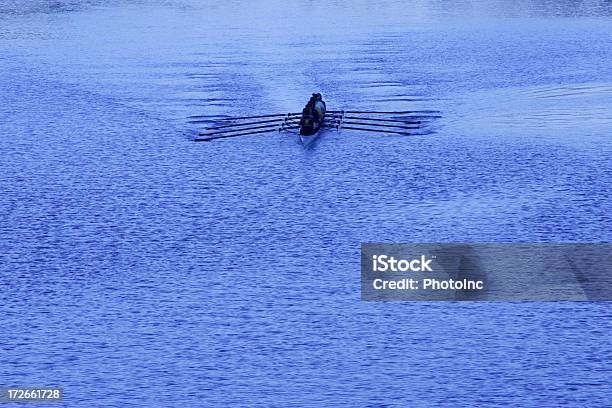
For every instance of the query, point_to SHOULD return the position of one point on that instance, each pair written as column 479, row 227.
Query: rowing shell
column 312, row 119
column 308, row 139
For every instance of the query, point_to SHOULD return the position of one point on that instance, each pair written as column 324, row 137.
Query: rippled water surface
column 140, row 268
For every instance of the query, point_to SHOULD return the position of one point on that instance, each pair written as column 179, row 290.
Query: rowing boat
column 313, row 116
column 311, row 120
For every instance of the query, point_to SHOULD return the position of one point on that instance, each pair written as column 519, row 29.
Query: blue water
column 138, row 268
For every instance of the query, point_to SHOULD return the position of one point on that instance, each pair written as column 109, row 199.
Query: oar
column 244, row 124
column 262, row 116
column 409, row 122
column 227, row 136
column 402, row 118
column 378, row 125
column 208, row 139
column 386, row 113
column 238, row 130
column 212, row 117
column 374, row 130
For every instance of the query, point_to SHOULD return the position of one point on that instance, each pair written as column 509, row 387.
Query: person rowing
column 312, row 115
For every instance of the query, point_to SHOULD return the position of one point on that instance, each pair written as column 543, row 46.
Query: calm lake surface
column 140, row 268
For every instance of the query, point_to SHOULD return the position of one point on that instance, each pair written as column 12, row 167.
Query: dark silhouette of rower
column 312, row 105
column 312, row 115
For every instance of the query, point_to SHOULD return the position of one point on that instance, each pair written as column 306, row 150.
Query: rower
column 318, row 106
column 306, row 120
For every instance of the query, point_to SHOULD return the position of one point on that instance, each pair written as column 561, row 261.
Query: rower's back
column 317, row 106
